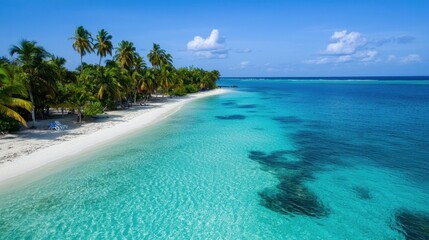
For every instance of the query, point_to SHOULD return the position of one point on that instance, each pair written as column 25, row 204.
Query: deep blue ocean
column 313, row 158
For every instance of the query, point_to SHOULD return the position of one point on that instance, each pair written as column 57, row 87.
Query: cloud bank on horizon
column 343, row 47
column 346, row 47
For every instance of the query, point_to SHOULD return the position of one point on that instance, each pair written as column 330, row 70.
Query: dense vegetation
column 36, row 80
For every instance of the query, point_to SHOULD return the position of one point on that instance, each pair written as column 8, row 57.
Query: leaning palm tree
column 104, row 44
column 82, row 43
column 30, row 57
column 8, row 98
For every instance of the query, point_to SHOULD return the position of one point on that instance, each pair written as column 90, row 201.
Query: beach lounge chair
column 53, row 126
column 60, row 125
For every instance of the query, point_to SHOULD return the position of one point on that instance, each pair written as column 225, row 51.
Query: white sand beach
column 31, row 149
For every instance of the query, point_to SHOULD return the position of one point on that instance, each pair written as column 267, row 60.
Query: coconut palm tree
column 30, row 57
column 108, row 81
column 82, row 43
column 104, row 44
column 8, row 97
column 126, row 58
column 167, row 60
column 58, row 64
column 149, row 85
column 157, row 56
column 125, row 54
column 166, row 78
column 137, row 76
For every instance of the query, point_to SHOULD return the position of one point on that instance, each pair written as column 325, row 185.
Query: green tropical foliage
column 35, row 73
column 37, row 80
column 11, row 94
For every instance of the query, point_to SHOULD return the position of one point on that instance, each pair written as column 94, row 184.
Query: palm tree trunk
column 135, row 96
column 81, row 63
column 33, row 110
column 79, row 115
column 99, row 63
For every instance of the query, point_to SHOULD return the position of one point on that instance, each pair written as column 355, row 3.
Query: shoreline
column 43, row 157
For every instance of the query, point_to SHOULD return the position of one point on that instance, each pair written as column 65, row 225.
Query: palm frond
column 11, row 113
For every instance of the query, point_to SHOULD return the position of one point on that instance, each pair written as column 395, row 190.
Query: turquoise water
column 275, row 159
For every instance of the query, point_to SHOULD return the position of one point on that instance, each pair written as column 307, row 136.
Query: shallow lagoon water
column 273, row 160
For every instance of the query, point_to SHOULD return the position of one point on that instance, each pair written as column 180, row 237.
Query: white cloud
column 411, row 58
column 323, row 60
column 366, row 56
column 244, row 63
column 345, row 58
column 210, row 47
column 221, row 54
column 391, row 58
column 405, row 39
column 348, row 47
column 246, row 50
column 345, row 43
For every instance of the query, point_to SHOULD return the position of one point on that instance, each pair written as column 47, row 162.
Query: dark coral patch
column 275, row 159
column 315, row 124
column 247, row 106
column 229, row 103
column 318, row 147
column 231, row 117
column 412, row 225
column 362, row 193
column 288, row 120
column 292, row 197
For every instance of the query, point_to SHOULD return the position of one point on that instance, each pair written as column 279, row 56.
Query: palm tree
column 166, row 77
column 149, row 85
column 82, row 43
column 138, row 62
column 108, row 81
column 104, row 44
column 125, row 54
column 31, row 58
column 167, row 60
column 137, row 75
column 8, row 100
column 58, row 61
column 157, row 56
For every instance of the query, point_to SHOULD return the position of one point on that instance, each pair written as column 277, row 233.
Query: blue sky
column 240, row 38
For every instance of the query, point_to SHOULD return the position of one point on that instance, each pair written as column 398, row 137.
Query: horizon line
column 419, row 77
